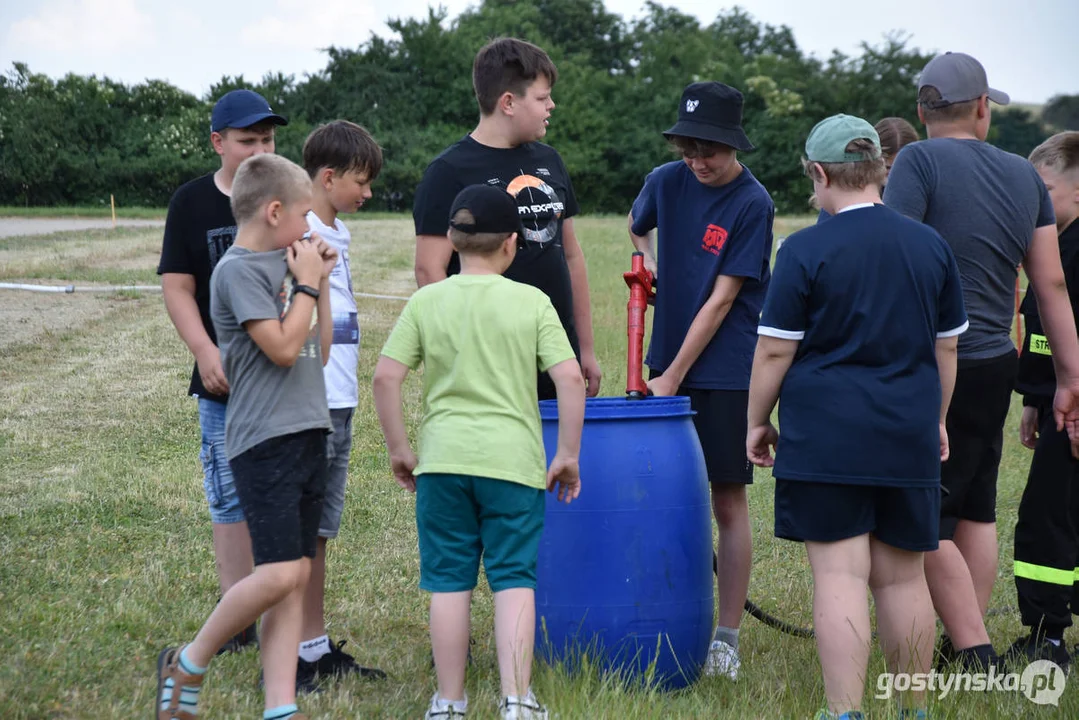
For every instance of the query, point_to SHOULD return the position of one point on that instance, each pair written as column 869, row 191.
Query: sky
column 1030, row 49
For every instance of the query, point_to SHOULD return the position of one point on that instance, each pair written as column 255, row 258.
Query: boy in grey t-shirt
column 263, row 297
column 995, row 213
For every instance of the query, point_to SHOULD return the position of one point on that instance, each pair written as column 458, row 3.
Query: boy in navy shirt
column 715, row 229
column 859, row 329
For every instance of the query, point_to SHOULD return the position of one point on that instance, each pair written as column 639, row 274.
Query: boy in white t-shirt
column 343, row 160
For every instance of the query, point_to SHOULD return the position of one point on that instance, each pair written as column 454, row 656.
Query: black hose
column 791, row 629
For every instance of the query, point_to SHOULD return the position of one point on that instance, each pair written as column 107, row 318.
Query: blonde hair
column 852, row 175
column 1060, row 153
column 481, row 243
column 261, row 179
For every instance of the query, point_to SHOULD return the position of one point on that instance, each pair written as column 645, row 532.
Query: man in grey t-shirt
column 995, row 213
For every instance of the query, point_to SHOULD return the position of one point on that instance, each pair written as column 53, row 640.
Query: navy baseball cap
column 242, row 109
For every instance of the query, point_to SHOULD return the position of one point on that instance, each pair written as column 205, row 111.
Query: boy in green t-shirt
column 480, row 477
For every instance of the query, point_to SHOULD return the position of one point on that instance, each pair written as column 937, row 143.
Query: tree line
column 76, row 140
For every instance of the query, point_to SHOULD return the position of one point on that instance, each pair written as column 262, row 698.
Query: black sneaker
column 1029, row 648
column 946, row 654
column 307, row 683
column 977, row 659
column 241, row 640
column 338, row 663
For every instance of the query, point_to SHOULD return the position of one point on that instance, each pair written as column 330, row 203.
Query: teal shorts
column 460, row 518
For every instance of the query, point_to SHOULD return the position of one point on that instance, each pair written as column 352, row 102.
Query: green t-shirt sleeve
column 403, row 344
column 553, row 346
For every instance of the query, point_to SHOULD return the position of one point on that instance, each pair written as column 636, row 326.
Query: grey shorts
column 338, row 450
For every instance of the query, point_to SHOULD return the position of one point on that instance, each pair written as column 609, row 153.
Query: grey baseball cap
column 958, row 78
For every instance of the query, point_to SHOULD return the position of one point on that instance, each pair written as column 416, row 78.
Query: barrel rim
column 621, row 408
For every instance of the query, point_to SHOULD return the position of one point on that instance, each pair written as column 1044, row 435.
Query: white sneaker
column 722, row 660
column 525, row 708
column 442, row 709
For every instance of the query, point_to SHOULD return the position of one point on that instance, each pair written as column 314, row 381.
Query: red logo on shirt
column 714, row 238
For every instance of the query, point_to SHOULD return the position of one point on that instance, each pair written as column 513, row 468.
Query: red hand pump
column 642, row 293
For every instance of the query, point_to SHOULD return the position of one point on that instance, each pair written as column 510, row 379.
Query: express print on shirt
column 538, row 206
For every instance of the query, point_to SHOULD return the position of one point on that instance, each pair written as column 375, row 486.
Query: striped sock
column 281, row 712
column 189, row 696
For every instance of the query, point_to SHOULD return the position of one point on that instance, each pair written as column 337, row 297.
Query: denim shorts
column 338, row 451
column 217, row 476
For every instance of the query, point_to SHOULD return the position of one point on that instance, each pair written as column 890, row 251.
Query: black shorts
column 721, row 425
column 983, row 394
column 281, row 483
column 903, row 517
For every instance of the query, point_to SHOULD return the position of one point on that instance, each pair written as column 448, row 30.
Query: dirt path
column 11, row 226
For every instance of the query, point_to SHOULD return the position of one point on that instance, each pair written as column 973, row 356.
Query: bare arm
column 771, row 362
column 564, row 470
column 947, row 362
column 433, row 253
column 700, row 333
column 178, row 290
column 582, row 306
column 325, row 319
column 282, row 340
column 644, row 244
column 389, row 377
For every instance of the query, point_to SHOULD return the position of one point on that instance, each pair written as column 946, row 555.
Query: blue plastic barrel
column 625, row 571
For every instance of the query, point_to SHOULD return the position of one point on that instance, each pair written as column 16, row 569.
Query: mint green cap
column 828, row 140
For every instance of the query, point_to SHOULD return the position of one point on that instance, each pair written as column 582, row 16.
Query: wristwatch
column 306, row 290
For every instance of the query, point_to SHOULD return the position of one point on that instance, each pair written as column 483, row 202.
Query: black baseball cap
column 711, row 111
column 493, row 210
column 242, row 109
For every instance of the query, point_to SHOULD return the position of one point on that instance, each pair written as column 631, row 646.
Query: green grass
column 84, row 211
column 106, row 542
column 132, row 213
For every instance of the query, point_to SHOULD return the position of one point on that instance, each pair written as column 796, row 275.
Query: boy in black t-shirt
column 199, row 229
column 513, row 81
column 1047, row 530
column 859, row 329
